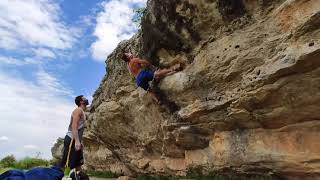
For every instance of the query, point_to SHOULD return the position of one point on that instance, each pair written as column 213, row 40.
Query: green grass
column 2, row 170
column 9, row 163
column 29, row 163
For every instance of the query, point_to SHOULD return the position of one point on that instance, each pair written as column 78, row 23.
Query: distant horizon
column 22, row 158
column 48, row 56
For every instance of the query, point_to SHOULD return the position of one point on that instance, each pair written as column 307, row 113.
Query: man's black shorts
column 75, row 157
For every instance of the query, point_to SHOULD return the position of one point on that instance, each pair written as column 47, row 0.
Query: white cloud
column 87, row 20
column 33, row 22
column 33, row 113
column 52, row 84
column 17, row 62
column 11, row 61
column 30, row 146
column 114, row 24
column 44, row 53
column 7, row 39
column 32, row 60
column 4, row 139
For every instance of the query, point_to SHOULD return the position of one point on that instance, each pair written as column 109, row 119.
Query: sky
column 50, row 52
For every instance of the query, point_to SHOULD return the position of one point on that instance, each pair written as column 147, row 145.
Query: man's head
column 81, row 100
column 127, row 57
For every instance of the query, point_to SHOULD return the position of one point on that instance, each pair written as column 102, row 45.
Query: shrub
column 29, row 163
column 138, row 15
column 8, row 161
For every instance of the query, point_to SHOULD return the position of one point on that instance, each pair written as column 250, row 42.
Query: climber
column 145, row 72
column 73, row 148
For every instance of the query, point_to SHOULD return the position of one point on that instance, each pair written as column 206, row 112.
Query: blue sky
column 51, row 51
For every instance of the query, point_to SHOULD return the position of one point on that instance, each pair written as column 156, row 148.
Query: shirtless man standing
column 73, row 148
column 140, row 69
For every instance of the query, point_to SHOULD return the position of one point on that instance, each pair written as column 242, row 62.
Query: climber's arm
column 143, row 62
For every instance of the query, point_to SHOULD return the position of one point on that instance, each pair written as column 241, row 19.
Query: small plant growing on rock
column 138, row 15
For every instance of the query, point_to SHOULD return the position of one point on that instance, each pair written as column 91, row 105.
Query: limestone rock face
column 57, row 150
column 247, row 101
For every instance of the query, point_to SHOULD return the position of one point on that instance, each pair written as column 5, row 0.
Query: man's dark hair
column 78, row 99
column 125, row 57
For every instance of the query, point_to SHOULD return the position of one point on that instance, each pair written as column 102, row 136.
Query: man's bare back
column 136, row 65
column 139, row 69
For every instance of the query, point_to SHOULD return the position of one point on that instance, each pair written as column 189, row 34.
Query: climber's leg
column 161, row 73
column 154, row 97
